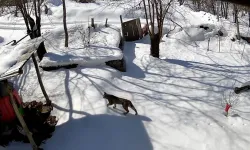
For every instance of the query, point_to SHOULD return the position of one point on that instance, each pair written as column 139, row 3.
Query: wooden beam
column 106, row 23
column 240, row 2
column 93, row 23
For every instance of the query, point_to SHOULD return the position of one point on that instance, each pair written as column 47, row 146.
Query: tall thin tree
column 65, row 25
column 155, row 12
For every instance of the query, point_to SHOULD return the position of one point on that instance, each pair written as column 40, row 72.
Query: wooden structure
column 131, row 30
column 16, row 70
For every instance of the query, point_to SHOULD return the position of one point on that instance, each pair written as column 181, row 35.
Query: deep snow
column 179, row 97
column 87, row 47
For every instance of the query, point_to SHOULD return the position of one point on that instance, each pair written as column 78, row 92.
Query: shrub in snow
column 200, row 32
column 103, row 46
column 191, row 34
column 229, row 101
column 195, row 34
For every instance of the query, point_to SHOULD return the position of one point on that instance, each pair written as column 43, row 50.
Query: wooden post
column 20, row 118
column 40, row 79
column 208, row 44
column 106, row 23
column 121, row 19
column 122, row 27
column 92, row 22
column 218, row 10
column 219, row 43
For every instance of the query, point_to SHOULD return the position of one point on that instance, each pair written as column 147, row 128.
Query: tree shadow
column 19, row 81
column 132, row 70
column 107, row 132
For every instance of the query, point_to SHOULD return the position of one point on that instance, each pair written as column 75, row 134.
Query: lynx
column 116, row 100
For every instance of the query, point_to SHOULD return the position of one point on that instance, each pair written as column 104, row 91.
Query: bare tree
column 155, row 12
column 27, row 9
column 236, row 20
column 224, row 9
column 65, row 25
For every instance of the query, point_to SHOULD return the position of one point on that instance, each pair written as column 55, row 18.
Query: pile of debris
column 36, row 115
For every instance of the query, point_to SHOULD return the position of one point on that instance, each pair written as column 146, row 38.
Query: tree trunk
column 237, row 25
column 48, row 101
column 226, row 10
column 236, row 20
column 65, row 25
column 249, row 18
column 235, row 13
column 16, row 11
column 218, row 10
column 155, row 45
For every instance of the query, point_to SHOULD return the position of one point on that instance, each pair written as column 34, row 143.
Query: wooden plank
column 9, row 76
column 132, row 30
column 16, row 69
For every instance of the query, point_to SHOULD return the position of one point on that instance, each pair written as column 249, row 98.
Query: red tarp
column 7, row 112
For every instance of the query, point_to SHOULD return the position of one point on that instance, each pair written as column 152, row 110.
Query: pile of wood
column 38, row 119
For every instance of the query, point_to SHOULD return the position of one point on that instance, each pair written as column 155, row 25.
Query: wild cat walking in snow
column 116, row 100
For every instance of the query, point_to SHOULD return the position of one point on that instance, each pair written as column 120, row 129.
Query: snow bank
column 89, row 56
column 103, row 46
column 199, row 32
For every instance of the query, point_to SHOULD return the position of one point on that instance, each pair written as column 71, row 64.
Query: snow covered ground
column 178, row 97
column 87, row 47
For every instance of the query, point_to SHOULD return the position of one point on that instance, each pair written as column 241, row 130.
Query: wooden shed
column 131, row 30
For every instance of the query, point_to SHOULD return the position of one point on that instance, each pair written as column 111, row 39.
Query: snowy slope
column 178, row 97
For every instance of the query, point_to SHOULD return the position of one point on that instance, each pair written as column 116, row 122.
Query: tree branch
column 146, row 15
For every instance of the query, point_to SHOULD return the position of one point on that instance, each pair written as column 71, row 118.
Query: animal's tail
column 133, row 107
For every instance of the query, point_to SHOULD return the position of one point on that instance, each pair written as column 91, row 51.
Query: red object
column 228, row 106
column 7, row 112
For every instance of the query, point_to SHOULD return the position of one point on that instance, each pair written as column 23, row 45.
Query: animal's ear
column 105, row 93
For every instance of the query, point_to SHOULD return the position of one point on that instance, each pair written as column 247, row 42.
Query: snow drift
column 86, row 47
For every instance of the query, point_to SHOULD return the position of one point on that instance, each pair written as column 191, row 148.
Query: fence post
column 92, row 23
column 106, row 23
column 122, row 27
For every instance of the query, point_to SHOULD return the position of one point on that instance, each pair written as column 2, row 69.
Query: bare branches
column 146, row 15
column 170, row 31
column 175, row 23
column 156, row 10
